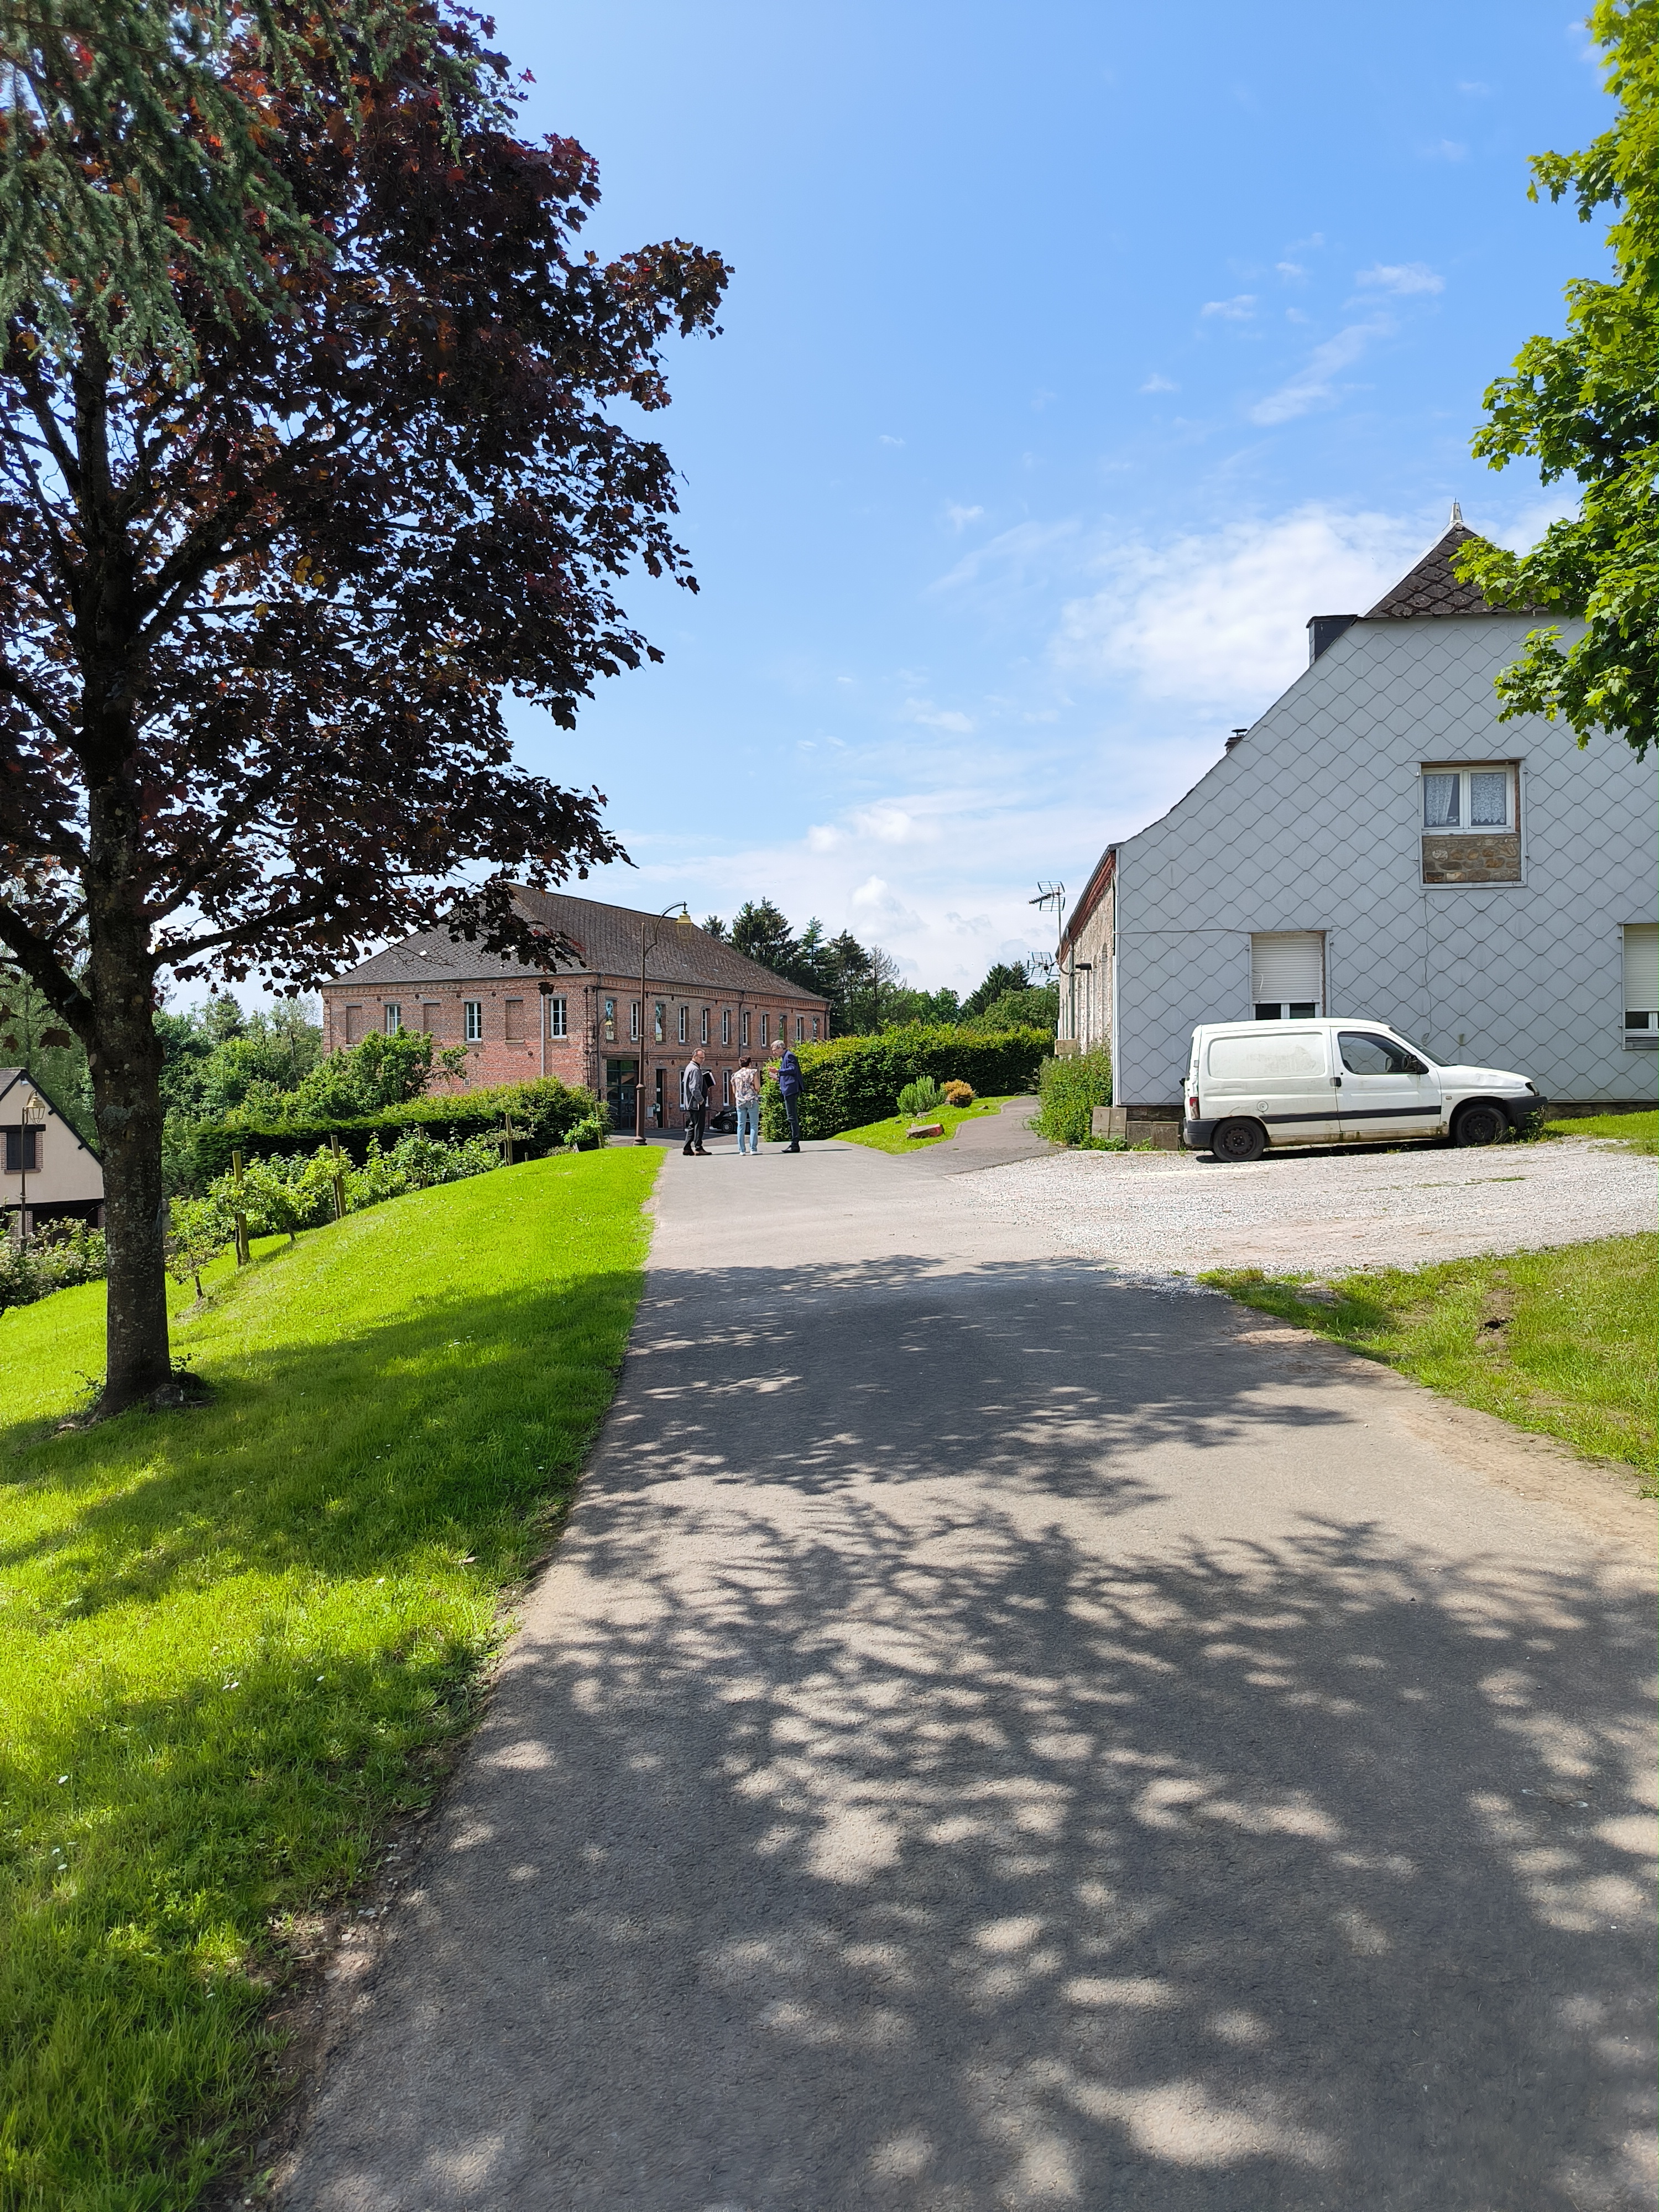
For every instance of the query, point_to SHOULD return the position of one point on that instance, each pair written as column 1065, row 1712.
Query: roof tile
column 607, row 939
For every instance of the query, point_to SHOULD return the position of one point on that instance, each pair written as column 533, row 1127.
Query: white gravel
column 1161, row 1212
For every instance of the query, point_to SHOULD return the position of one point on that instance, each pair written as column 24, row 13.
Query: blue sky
column 1076, row 355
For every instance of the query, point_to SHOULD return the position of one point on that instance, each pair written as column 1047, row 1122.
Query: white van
column 1252, row 1084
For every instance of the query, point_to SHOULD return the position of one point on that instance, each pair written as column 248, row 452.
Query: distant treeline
column 861, row 981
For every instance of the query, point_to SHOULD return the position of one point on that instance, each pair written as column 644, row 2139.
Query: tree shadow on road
column 890, row 1805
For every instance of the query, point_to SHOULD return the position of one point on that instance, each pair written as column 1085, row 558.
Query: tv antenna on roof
column 1052, row 895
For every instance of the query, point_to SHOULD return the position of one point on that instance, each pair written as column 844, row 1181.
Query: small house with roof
column 48, row 1172
column 1380, row 845
column 590, row 1023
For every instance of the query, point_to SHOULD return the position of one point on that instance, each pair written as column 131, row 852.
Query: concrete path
column 996, row 1736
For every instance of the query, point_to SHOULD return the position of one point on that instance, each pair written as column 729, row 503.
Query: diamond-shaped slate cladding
column 1312, row 822
column 1431, row 588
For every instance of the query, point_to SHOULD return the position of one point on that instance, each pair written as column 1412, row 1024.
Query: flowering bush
column 57, row 1257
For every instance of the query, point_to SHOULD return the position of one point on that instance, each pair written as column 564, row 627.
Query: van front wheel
column 1238, row 1142
column 1480, row 1124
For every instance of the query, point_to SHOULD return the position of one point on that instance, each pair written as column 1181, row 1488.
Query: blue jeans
column 748, row 1126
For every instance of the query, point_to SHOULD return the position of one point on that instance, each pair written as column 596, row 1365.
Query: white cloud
column 1157, row 383
column 893, row 825
column 1289, row 269
column 1016, row 556
column 1402, row 277
column 960, row 517
column 937, row 718
column 1220, row 621
column 1476, row 89
column 1238, row 309
column 822, row 837
column 1313, row 386
column 885, row 440
column 1445, row 150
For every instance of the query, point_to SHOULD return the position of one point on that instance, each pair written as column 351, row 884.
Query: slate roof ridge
column 606, row 940
column 1431, row 588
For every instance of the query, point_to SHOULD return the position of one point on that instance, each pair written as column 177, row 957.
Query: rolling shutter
column 1642, row 970
column 1287, row 967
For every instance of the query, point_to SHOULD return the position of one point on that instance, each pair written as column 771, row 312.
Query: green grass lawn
column 1639, row 1131
column 234, row 1640
column 888, row 1136
column 1565, row 1342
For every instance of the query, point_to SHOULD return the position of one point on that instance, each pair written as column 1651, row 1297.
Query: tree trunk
column 124, row 1055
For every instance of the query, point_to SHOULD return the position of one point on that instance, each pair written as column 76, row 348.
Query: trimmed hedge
column 543, row 1114
column 853, row 1080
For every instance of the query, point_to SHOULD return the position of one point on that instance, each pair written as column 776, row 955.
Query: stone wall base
column 1159, row 1126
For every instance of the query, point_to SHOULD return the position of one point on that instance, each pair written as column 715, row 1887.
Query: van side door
column 1385, row 1090
column 1276, row 1075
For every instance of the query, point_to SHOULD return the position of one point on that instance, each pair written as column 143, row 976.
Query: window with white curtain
column 1469, row 799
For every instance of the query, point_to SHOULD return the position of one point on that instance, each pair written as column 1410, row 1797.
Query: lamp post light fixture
column 680, row 914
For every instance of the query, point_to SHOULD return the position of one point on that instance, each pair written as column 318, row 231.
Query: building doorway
column 621, row 1078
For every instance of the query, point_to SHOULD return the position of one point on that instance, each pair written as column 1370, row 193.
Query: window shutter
column 1288, row 967
column 1642, row 967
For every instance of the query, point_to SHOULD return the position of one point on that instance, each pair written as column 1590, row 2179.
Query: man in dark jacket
column 790, row 1087
column 694, row 1104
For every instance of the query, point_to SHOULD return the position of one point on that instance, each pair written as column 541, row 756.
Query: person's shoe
column 700, row 1153
column 686, row 1149
column 792, row 1148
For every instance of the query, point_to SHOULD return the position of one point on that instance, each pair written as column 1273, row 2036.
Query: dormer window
column 1470, row 823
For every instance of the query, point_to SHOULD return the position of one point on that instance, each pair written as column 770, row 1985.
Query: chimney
column 1234, row 737
column 1324, row 630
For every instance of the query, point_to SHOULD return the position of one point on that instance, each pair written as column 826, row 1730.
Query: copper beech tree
column 260, row 597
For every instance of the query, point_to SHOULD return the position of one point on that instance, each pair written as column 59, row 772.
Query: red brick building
column 589, row 1023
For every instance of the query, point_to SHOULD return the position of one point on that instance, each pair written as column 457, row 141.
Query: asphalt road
column 996, row 1736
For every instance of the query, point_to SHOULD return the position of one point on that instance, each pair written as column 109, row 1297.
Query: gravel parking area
column 1327, row 1213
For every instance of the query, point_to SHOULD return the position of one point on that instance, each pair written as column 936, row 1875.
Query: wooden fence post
column 244, row 1254
column 339, row 1177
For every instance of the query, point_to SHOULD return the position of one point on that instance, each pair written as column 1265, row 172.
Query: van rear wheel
column 1480, row 1124
column 1238, row 1142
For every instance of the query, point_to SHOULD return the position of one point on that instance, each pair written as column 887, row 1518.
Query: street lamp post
column 681, row 918
column 33, row 1115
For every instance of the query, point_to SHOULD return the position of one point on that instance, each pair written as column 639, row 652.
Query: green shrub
column 542, row 1115
column 852, row 1081
column 56, row 1259
column 1070, row 1091
column 280, row 1194
column 922, row 1096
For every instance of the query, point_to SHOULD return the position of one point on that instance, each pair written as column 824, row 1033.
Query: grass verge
column 234, row 1640
column 1563, row 1342
column 1639, row 1131
column 888, row 1136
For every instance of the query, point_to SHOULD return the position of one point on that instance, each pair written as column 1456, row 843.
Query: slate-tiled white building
column 1379, row 844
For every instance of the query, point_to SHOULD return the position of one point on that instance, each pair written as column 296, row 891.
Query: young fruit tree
column 261, row 593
